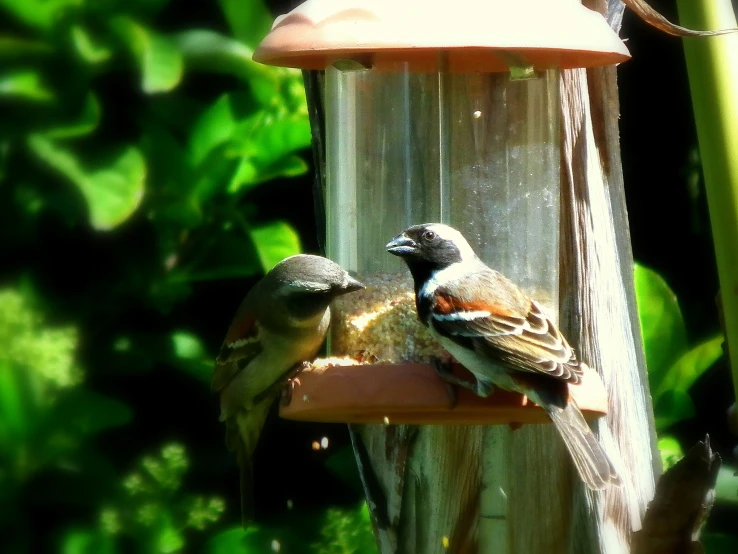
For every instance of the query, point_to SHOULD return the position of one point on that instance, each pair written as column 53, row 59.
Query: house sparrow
column 499, row 334
column 281, row 323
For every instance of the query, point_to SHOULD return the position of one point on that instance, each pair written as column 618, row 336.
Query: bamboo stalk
column 712, row 65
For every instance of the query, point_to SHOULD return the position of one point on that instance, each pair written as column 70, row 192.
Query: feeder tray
column 488, row 36
column 414, row 394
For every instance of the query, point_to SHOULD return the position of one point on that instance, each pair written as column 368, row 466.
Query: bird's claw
column 286, row 398
column 444, row 371
column 290, row 380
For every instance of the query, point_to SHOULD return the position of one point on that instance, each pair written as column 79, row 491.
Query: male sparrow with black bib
column 499, row 334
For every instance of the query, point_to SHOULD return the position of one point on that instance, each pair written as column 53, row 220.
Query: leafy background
column 149, row 173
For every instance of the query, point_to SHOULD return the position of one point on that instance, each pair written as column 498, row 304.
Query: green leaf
column 726, row 488
column 247, row 174
column 191, row 356
column 160, row 61
column 342, row 463
column 717, row 543
column 25, row 84
column 86, row 122
column 88, row 49
column 14, row 422
column 249, row 20
column 112, row 193
column 169, row 539
column 186, row 345
column 662, row 324
column 15, row 48
column 216, row 125
column 274, row 242
column 42, row 14
column 690, row 366
column 86, row 412
column 671, row 451
column 87, row 542
column 671, row 407
column 231, row 541
column 206, row 50
column 275, row 136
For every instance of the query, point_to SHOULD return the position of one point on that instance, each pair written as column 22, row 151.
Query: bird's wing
column 241, row 345
column 491, row 314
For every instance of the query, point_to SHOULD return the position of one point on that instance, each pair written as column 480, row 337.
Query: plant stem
column 712, row 65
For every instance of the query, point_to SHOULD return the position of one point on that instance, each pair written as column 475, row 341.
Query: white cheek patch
column 463, row 316
column 455, row 272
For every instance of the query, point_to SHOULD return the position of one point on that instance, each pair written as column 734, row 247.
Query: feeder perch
column 435, row 112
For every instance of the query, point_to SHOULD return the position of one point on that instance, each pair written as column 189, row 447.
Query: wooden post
column 468, row 489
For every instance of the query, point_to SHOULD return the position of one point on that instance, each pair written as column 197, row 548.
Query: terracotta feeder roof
column 475, row 35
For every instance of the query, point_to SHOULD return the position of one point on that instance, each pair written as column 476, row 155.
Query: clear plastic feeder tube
column 477, row 151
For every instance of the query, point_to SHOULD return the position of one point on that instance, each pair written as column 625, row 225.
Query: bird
column 502, row 336
column 280, row 325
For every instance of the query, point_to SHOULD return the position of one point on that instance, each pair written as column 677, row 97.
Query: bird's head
column 308, row 283
column 431, row 244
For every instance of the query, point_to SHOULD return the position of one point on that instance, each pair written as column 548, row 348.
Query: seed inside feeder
column 379, row 324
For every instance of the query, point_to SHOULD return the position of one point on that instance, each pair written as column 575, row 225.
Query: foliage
column 89, row 146
column 347, row 532
column 673, row 365
column 135, row 140
column 152, row 510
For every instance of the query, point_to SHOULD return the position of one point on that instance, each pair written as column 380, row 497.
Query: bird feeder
column 435, row 112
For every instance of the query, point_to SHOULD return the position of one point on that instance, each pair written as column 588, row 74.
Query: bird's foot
column 290, row 380
column 444, row 371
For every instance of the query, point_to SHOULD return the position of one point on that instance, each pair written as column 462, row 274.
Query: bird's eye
column 429, row 235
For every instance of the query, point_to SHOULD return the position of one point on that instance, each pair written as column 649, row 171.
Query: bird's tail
column 242, row 435
column 593, row 465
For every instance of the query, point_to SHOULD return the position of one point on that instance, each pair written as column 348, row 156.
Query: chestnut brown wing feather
column 503, row 324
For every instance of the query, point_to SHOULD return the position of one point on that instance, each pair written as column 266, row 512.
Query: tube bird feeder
column 435, row 112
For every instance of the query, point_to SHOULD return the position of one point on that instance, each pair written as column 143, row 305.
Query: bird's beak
column 401, row 245
column 351, row 285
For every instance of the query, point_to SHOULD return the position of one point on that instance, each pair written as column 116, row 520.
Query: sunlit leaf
column 690, row 366
column 247, row 173
column 169, row 539
column 87, row 542
column 88, row 48
column 671, row 451
column 249, row 20
column 274, row 242
column 187, row 345
column 112, row 193
column 42, row 14
column 25, row 84
column 726, row 488
column 346, row 531
column 216, row 125
column 207, row 50
column 275, row 136
column 191, row 356
column 671, row 407
column 662, row 324
column 160, row 61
